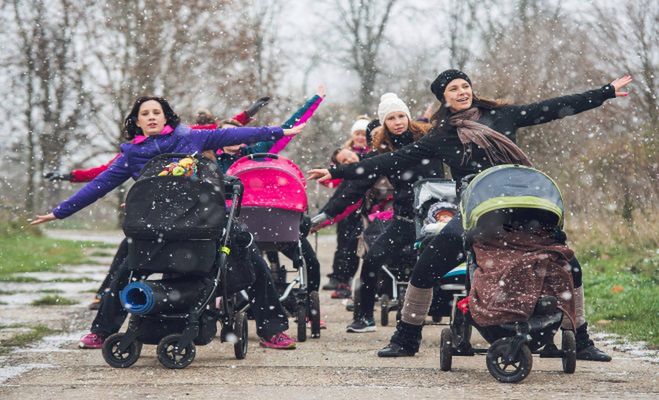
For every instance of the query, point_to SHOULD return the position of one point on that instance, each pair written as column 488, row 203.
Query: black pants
column 119, row 258
column 268, row 312
column 445, row 252
column 346, row 261
column 388, row 249
column 310, row 259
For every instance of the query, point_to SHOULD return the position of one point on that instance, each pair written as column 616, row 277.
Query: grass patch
column 25, row 252
column 23, row 339
column 53, row 300
column 622, row 290
column 99, row 253
column 53, row 291
column 7, row 293
column 31, row 279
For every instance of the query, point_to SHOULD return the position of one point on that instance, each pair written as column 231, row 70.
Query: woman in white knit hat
column 395, row 244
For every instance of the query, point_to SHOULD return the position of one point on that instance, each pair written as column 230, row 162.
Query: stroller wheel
column 384, row 310
column 508, row 372
column 170, row 356
column 569, row 347
column 446, row 350
column 240, row 329
column 314, row 310
column 301, row 323
column 117, row 358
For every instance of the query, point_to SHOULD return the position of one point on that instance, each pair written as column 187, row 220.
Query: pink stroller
column 273, row 206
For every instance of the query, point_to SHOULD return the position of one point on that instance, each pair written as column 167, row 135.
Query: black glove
column 257, row 105
column 57, row 176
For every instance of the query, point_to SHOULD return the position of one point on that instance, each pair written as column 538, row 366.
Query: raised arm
column 563, row 106
column 301, row 116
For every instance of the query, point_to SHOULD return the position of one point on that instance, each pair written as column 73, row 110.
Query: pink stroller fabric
column 271, row 183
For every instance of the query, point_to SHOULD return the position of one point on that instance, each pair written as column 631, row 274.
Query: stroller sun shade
column 510, row 187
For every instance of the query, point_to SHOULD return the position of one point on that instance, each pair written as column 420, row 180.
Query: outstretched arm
column 563, row 106
column 114, row 176
column 428, row 147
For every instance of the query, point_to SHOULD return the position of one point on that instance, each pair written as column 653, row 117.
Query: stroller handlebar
column 263, row 155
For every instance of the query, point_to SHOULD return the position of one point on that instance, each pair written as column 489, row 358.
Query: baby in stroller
column 521, row 286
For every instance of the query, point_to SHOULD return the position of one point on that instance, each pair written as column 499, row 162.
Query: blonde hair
column 382, row 142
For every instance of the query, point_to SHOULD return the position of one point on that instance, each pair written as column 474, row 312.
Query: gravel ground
column 338, row 365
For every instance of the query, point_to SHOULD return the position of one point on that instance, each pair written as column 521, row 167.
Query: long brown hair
column 381, row 135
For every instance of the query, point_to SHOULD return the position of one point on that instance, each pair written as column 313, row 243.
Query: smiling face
column 359, row 139
column 346, row 156
column 151, row 118
column 458, row 95
column 397, row 122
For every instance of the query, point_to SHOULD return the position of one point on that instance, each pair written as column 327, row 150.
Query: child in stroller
column 521, row 287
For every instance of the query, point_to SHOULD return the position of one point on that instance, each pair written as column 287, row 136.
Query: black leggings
column 346, row 261
column 267, row 310
column 310, row 259
column 445, row 252
column 388, row 249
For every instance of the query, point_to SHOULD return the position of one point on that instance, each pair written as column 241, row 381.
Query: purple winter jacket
column 136, row 154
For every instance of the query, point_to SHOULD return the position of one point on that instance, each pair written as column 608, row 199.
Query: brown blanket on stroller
column 515, row 269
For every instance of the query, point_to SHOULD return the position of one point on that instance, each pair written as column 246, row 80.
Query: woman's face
column 359, row 139
column 397, row 122
column 232, row 149
column 151, row 119
column 347, row 157
column 458, row 95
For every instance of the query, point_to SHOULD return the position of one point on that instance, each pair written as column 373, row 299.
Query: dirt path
column 338, row 365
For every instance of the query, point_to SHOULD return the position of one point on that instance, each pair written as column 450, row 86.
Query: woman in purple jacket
column 153, row 128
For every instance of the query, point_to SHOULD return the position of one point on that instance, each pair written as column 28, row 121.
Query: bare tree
column 51, row 83
column 360, row 29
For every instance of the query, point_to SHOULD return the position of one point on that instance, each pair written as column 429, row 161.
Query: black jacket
column 446, row 146
column 402, row 179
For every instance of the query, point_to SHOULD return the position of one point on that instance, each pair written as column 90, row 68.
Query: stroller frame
column 176, row 351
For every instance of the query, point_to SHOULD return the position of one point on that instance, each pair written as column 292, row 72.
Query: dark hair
column 205, row 117
column 130, row 123
column 440, row 119
column 335, row 153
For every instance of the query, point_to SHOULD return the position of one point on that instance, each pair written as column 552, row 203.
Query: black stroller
column 434, row 198
column 521, row 196
column 176, row 225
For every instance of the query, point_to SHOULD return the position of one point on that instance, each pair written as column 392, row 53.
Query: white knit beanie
column 389, row 102
column 359, row 125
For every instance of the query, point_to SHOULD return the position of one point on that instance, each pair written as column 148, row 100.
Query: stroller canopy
column 271, row 181
column 510, row 187
column 437, row 189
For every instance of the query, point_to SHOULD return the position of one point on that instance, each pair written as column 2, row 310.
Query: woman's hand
column 294, row 130
column 43, row 218
column 320, row 91
column 321, row 175
column 621, row 83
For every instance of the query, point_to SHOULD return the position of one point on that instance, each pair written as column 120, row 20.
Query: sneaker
column 331, row 285
column 362, row 325
column 95, row 304
column 280, row 341
column 343, row 291
column 91, row 341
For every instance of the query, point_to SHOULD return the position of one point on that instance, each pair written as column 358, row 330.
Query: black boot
column 586, row 349
column 405, row 342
